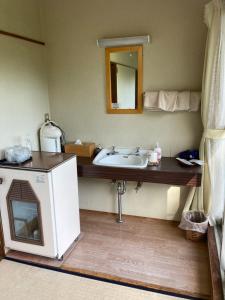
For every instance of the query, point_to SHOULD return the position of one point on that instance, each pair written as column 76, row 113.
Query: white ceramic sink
column 122, row 158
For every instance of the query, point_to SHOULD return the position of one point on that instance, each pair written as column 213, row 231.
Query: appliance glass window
column 25, row 220
column 24, row 213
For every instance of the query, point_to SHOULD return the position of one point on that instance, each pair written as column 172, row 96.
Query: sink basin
column 123, row 158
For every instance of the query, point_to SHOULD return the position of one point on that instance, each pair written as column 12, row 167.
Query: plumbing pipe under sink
column 121, row 189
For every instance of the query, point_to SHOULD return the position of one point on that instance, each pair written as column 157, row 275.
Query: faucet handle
column 137, row 150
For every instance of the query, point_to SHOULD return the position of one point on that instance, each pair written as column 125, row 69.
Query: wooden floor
column 141, row 251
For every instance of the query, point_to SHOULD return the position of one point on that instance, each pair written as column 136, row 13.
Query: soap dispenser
column 158, row 150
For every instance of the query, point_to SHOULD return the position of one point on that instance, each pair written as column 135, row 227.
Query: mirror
column 124, row 80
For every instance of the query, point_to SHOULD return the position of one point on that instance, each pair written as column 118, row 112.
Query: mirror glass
column 124, row 76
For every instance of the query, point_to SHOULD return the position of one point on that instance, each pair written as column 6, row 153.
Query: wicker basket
column 195, row 223
column 195, row 236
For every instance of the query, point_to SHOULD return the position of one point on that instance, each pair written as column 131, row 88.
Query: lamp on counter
column 123, row 41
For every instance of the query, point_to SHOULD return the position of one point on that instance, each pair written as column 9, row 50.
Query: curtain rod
column 21, row 37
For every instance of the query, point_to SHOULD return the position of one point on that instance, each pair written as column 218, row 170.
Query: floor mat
column 23, row 282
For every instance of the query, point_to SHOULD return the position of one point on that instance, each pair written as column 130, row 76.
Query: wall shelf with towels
column 171, row 101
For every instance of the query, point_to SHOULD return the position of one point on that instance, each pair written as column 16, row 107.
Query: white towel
column 151, row 100
column 172, row 101
column 195, row 100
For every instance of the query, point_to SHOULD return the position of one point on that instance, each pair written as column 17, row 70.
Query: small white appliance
column 39, row 208
column 50, row 137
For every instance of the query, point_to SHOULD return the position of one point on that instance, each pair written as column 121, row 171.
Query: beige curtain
column 211, row 196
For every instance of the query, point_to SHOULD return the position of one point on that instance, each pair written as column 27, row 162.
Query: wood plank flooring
column 40, row 260
column 141, row 251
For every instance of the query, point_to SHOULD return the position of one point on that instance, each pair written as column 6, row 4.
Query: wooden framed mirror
column 124, row 67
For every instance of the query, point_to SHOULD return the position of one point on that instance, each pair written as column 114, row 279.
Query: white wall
column 23, row 78
column 174, row 60
column 21, row 17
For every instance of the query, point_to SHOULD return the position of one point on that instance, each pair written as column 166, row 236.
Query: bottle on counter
column 158, row 150
column 153, row 158
column 28, row 144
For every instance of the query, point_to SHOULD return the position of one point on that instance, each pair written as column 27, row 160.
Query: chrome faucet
column 137, row 152
column 113, row 151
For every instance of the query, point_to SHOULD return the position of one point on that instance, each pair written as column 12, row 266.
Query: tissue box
column 83, row 150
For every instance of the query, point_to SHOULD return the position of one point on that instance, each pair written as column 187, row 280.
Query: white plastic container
column 153, row 159
column 50, row 137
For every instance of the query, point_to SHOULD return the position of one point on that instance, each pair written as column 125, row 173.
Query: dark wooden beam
column 17, row 36
column 217, row 288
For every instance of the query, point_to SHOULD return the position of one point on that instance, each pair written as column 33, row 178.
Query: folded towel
column 195, row 100
column 151, row 100
column 172, row 101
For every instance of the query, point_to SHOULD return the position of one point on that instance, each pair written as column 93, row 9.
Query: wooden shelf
column 168, row 172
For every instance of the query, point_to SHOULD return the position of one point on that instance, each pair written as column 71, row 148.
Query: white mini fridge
column 39, row 207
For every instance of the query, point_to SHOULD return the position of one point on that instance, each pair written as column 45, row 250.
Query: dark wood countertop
column 41, row 161
column 168, row 172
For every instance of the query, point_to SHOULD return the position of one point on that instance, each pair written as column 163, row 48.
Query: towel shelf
column 172, row 101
